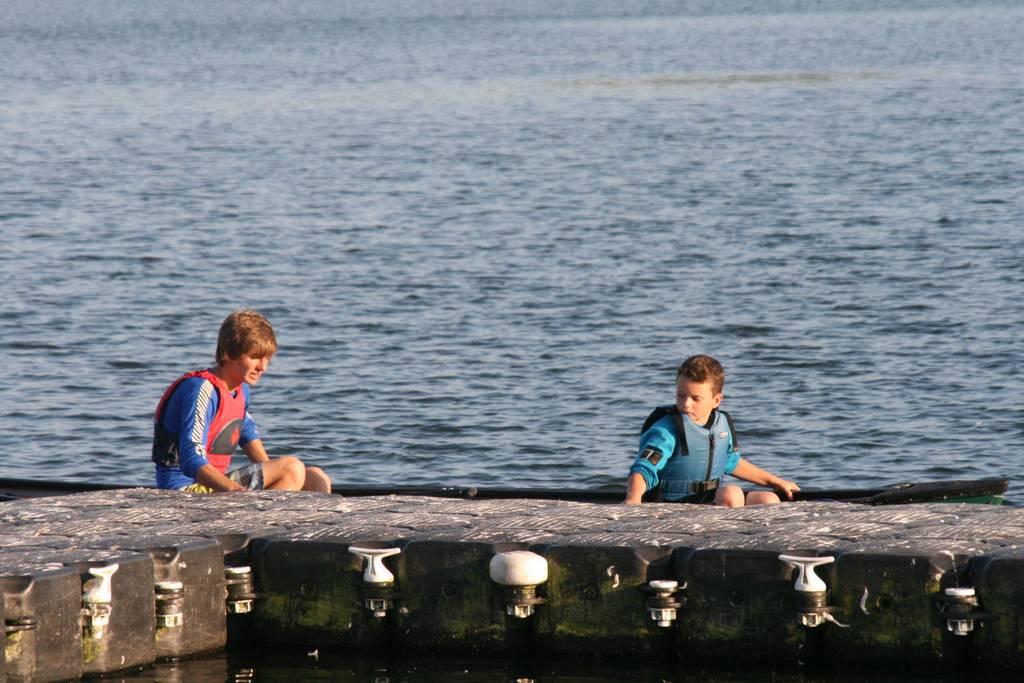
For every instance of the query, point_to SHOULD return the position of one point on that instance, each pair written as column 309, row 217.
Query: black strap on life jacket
column 662, row 411
column 732, row 430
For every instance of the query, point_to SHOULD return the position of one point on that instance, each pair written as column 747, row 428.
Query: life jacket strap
column 704, row 486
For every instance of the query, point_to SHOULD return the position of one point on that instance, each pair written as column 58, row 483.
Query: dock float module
column 102, row 581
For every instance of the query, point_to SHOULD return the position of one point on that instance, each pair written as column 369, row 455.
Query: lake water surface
column 487, row 232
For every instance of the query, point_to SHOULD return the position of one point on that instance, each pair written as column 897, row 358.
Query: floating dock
column 99, row 582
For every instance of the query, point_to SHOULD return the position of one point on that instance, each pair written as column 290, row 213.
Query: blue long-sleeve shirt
column 658, row 460
column 188, row 415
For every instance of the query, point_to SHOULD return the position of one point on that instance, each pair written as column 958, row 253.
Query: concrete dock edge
column 928, row 585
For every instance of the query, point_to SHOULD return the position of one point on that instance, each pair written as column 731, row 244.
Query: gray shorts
column 250, row 476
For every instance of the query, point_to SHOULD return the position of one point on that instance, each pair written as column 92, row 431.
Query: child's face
column 696, row 399
column 246, row 369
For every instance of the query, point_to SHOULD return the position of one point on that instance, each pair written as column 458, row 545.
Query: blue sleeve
column 189, row 414
column 657, row 445
column 734, row 457
column 249, row 431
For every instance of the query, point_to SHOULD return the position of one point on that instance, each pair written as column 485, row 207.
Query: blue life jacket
column 700, row 458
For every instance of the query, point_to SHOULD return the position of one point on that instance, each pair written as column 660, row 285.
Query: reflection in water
column 386, row 667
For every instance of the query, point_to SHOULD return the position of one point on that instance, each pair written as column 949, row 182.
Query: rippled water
column 486, row 232
column 389, row 668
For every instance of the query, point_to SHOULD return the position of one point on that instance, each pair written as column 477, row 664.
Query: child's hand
column 786, row 488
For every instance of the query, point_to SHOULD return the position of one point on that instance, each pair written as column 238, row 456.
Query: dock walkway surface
column 180, row 584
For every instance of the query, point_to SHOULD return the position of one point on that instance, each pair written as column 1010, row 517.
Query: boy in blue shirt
column 686, row 449
column 204, row 415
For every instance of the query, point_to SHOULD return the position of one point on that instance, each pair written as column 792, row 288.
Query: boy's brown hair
column 245, row 333
column 701, row 368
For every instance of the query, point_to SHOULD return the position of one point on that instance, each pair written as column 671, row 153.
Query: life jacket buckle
column 704, row 486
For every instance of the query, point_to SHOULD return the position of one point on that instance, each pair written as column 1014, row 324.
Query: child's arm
column 208, row 475
column 748, row 471
column 635, row 488
column 254, row 451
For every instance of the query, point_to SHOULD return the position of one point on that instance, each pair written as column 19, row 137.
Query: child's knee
column 292, row 470
column 318, row 479
column 762, row 498
column 291, row 464
column 730, row 496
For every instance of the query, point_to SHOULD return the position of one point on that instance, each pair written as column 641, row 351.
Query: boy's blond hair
column 245, row 333
column 701, row 368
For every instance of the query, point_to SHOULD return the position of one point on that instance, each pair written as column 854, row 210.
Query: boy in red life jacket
column 204, row 416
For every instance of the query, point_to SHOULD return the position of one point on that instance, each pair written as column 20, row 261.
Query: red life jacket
column 226, row 428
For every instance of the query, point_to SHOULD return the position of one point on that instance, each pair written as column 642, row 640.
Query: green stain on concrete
column 447, row 597
column 311, row 594
column 91, row 649
column 290, row 613
column 591, row 608
column 900, row 615
column 13, row 645
column 166, row 633
column 764, row 621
